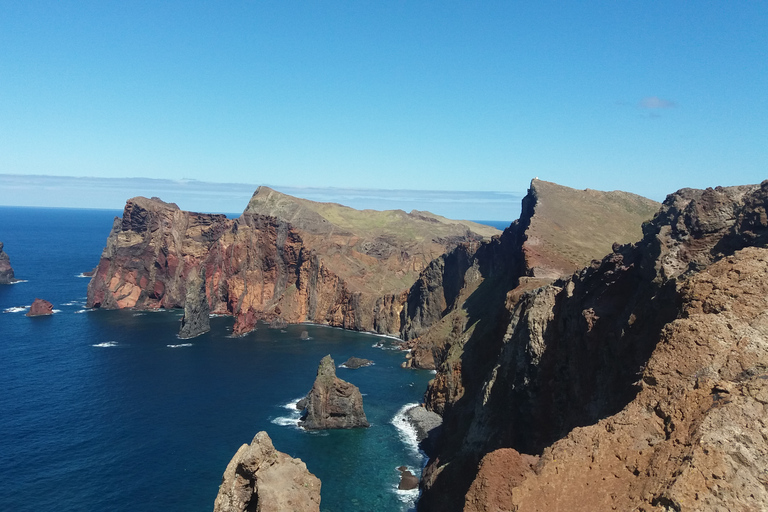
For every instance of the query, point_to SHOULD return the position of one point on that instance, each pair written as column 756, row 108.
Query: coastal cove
column 119, row 414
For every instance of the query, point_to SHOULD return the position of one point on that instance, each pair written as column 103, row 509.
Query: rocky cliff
column 282, row 258
column 332, row 402
column 262, row 479
column 6, row 271
column 638, row 383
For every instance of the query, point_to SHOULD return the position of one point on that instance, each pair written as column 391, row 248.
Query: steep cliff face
column 6, row 271
column 261, row 267
column 654, row 351
column 260, row 478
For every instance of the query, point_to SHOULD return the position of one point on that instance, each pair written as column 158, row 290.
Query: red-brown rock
column 40, row 307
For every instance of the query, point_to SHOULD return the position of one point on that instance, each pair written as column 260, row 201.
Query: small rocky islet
column 599, row 327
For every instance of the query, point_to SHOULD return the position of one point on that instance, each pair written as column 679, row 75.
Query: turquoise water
column 109, row 410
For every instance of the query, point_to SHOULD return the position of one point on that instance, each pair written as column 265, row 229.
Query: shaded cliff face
column 260, row 478
column 261, row 267
column 639, row 349
column 6, row 271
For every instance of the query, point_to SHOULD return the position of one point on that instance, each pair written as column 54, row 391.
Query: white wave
column 17, row 309
column 73, row 303
column 106, row 344
column 84, row 310
column 180, row 345
column 433, row 372
column 293, row 417
column 139, row 314
column 17, row 281
column 405, row 429
column 55, row 311
column 407, row 497
column 81, row 274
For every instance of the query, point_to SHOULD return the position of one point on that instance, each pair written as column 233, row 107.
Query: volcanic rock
column 332, row 402
column 639, row 380
column 40, row 307
column 260, row 478
column 282, row 258
column 6, row 271
column 353, row 363
column 408, row 480
column 278, row 323
column 196, row 320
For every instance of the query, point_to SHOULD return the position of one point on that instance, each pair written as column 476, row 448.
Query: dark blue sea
column 110, row 411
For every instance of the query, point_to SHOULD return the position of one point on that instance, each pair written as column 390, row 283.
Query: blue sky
column 646, row 97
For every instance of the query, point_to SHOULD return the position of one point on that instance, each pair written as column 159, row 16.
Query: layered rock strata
column 281, row 259
column 332, row 402
column 639, row 381
column 40, row 307
column 6, row 271
column 260, row 478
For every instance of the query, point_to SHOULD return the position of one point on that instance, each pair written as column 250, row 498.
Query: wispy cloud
column 654, row 103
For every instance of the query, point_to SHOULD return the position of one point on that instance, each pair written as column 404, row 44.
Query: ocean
column 109, row 410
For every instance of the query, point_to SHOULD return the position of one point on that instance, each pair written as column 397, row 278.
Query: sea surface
column 110, row 411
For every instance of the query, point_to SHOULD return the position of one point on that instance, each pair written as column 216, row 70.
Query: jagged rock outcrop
column 332, row 402
column 40, row 307
column 639, row 380
column 6, row 271
column 196, row 320
column 352, row 271
column 262, row 479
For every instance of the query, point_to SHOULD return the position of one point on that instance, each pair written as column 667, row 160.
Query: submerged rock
column 353, row 363
column 333, row 403
column 6, row 271
column 40, row 307
column 260, row 478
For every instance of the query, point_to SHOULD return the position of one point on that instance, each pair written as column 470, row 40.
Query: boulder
column 408, row 480
column 332, row 402
column 260, row 478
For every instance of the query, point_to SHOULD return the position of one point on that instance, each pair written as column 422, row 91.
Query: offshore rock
column 332, row 402
column 408, row 480
column 638, row 380
column 6, row 271
column 40, row 307
column 196, row 320
column 353, row 363
column 260, row 478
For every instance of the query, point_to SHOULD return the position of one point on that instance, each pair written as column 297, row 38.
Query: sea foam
column 405, row 429
column 106, row 344
column 180, row 345
column 17, row 309
column 293, row 417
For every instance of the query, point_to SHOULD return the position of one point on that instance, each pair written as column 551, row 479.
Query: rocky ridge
column 260, row 266
column 332, row 402
column 260, row 478
column 6, row 271
column 638, row 383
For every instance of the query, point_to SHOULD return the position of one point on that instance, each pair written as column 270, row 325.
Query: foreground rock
column 333, row 403
column 6, row 271
column 40, row 307
column 283, row 258
column 353, row 363
column 638, row 383
column 196, row 320
column 260, row 478
column 408, row 480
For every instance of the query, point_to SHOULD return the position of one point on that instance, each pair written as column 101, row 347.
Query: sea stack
column 196, row 320
column 261, row 478
column 6, row 271
column 333, row 403
column 40, row 307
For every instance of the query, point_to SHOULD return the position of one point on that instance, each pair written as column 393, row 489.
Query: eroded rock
column 6, row 271
column 40, row 307
column 332, row 402
column 260, row 478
